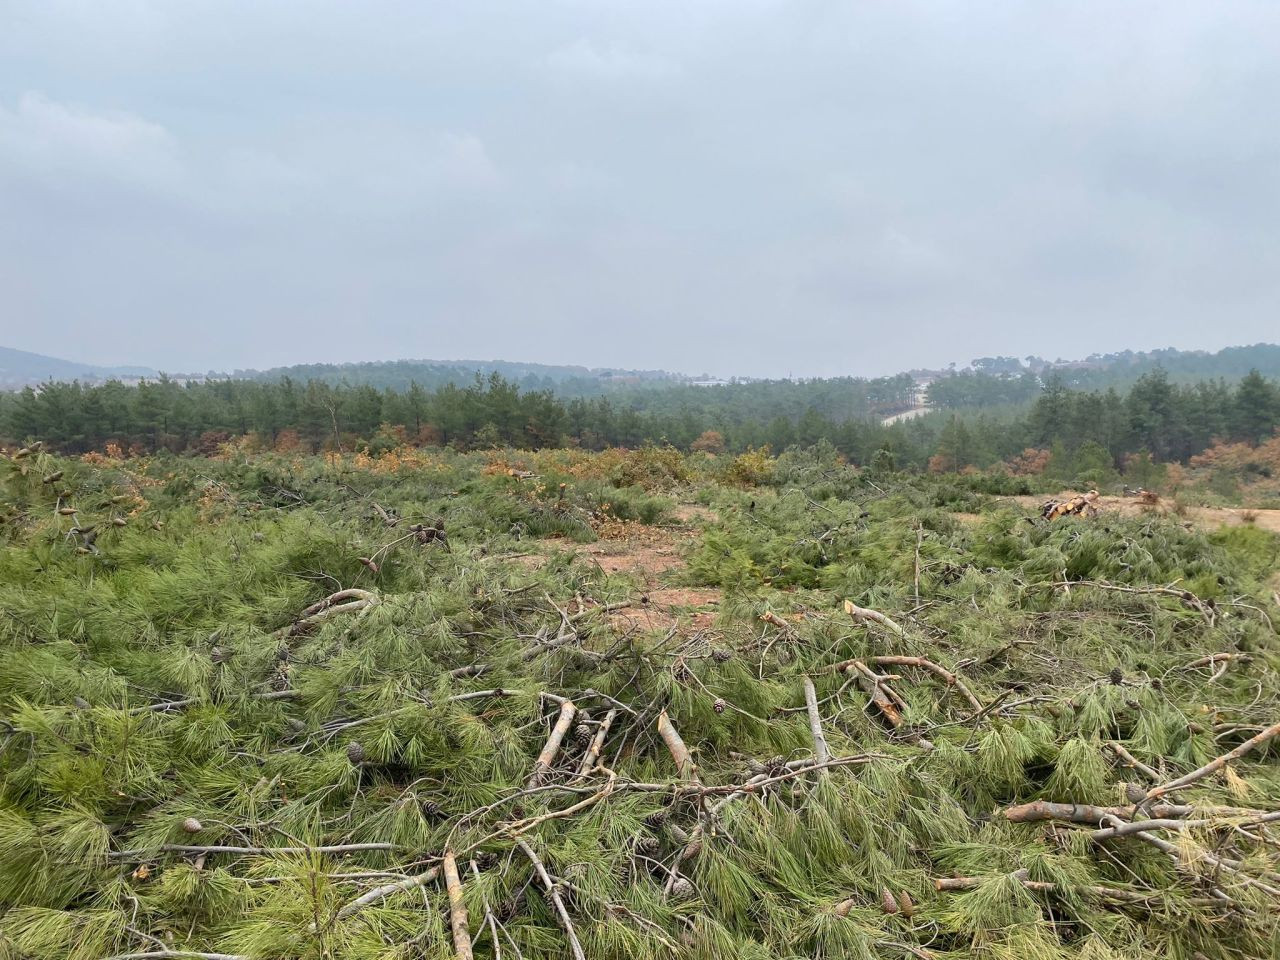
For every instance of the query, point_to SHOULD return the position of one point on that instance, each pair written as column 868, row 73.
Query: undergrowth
column 185, row 745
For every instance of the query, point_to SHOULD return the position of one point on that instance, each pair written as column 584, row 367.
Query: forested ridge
column 1169, row 421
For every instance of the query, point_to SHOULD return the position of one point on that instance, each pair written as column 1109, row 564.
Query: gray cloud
column 749, row 187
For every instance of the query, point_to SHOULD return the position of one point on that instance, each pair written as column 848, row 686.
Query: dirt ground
column 652, row 556
column 1208, row 518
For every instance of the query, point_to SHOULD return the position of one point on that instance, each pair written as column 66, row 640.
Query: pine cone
column 219, row 654
column 296, row 725
column 1116, row 676
column 776, row 765
column 431, row 809
column 192, row 825
column 508, row 908
column 647, row 846
column 485, row 859
column 355, row 752
column 721, row 656
column 906, row 904
column 719, row 705
column 682, row 890
column 888, row 903
column 582, row 734
column 81, row 703
column 656, row 819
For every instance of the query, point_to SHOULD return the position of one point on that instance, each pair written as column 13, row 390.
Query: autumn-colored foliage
column 711, row 441
column 1030, row 463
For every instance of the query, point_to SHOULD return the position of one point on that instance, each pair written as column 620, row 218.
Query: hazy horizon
column 754, row 189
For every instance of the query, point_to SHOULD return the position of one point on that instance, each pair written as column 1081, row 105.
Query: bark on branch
column 863, row 614
column 1216, row 764
column 820, row 751
column 542, row 766
column 553, row 894
column 458, row 919
column 951, row 679
column 685, row 766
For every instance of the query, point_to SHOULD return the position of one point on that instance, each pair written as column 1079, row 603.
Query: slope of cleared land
column 624, row 705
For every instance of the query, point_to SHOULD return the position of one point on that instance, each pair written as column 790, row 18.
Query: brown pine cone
column 656, row 819
column 681, row 890
column 888, row 902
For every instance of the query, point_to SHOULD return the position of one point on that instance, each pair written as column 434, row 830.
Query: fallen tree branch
column 1132, row 761
column 863, row 614
column 951, row 679
column 1136, row 826
column 592, row 755
column 885, row 700
column 1214, row 765
column 542, row 766
column 351, row 600
column 386, row 890
column 820, row 751
column 1186, row 858
column 685, row 766
column 1186, row 596
column 1093, row 815
column 250, row 851
column 553, row 895
column 458, row 920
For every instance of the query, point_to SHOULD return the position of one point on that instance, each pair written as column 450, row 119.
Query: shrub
column 752, row 468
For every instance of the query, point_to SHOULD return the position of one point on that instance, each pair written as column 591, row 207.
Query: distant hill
column 18, row 368
column 986, row 381
column 432, row 374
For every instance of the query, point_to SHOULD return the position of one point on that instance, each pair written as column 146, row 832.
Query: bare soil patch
column 653, row 555
column 667, row 607
column 1207, row 518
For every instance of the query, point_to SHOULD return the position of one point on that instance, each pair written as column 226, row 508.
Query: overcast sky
column 741, row 187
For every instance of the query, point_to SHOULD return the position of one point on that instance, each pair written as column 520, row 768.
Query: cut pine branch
column 1216, row 764
column 820, row 751
column 458, row 919
column 553, row 894
column 687, row 769
column 863, row 614
column 344, row 601
column 882, row 696
column 386, row 890
column 551, row 748
column 592, row 755
column 1088, row 813
column 951, row 679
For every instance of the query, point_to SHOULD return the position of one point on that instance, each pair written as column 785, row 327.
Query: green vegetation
column 259, row 705
column 1087, row 433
